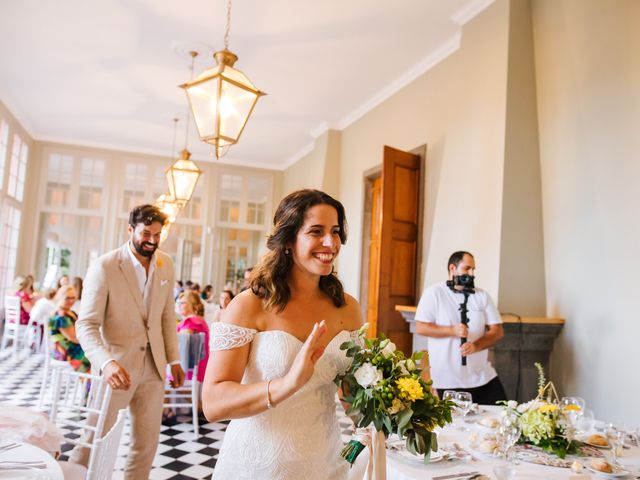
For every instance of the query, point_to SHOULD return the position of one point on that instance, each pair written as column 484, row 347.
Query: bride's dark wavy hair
column 269, row 277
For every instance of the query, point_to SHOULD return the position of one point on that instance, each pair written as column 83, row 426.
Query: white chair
column 12, row 329
column 103, row 457
column 39, row 316
column 191, row 352
column 76, row 404
column 49, row 364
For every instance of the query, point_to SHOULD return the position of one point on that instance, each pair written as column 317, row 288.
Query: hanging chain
column 173, row 145
column 226, row 33
column 186, row 130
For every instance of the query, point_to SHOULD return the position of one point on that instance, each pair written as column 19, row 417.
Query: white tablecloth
column 399, row 468
column 26, row 452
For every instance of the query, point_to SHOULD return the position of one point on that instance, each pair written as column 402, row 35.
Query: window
column 229, row 211
column 9, row 233
column 135, row 185
column 92, row 177
column 4, row 145
column 18, row 171
column 65, row 247
column 59, row 174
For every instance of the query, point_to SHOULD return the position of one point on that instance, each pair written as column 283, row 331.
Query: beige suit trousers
column 144, row 399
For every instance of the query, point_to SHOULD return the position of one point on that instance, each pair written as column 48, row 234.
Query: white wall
column 458, row 109
column 588, row 77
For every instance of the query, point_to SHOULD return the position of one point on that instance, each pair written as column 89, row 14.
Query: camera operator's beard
column 140, row 248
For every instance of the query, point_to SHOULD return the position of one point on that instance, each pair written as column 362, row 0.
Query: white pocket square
column 163, row 282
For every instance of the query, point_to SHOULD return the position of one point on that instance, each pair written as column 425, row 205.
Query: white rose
column 403, row 367
column 411, row 365
column 512, row 404
column 367, row 375
column 388, row 349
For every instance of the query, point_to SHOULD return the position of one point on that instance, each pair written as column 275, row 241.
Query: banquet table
column 403, row 467
column 26, row 425
column 26, row 452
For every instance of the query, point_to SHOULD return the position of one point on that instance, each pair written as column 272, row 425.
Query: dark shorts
column 487, row 394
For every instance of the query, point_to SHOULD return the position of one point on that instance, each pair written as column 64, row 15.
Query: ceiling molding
column 319, row 130
column 465, row 14
column 446, row 49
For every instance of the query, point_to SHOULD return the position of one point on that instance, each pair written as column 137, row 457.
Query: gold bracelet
column 269, row 404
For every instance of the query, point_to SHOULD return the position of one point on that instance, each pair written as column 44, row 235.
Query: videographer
column 439, row 316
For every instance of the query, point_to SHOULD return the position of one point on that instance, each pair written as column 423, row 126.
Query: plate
column 407, row 455
column 617, row 472
column 484, row 427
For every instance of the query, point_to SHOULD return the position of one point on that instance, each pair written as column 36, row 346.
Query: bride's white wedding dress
column 300, row 437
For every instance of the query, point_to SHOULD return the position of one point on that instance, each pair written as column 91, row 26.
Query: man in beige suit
column 127, row 329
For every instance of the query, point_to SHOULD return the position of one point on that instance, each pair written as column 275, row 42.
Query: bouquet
column 384, row 388
column 543, row 421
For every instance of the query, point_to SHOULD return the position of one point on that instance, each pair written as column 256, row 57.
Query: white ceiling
column 105, row 73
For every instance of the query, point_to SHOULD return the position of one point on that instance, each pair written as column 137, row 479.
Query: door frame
column 368, row 177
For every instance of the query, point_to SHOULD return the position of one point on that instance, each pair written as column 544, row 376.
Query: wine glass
column 449, row 395
column 572, row 410
column 616, row 440
column 464, row 401
column 508, row 433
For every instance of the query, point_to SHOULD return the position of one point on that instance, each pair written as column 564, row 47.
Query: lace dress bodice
column 300, row 437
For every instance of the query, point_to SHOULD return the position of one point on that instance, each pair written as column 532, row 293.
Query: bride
column 277, row 350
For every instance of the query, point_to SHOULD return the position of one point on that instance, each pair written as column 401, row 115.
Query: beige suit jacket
column 114, row 322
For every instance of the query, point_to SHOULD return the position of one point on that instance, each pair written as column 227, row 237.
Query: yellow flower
column 547, row 407
column 411, row 388
column 159, row 263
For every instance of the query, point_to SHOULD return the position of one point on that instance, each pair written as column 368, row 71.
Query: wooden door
column 374, row 256
column 398, row 243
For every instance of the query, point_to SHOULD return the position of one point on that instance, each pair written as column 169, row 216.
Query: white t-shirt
column 439, row 305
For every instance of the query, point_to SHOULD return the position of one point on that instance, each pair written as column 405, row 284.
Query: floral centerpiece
column 544, row 422
column 383, row 388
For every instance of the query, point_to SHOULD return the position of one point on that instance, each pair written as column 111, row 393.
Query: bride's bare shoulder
column 245, row 310
column 351, row 313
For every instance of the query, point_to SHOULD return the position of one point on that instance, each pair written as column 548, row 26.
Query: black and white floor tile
column 179, row 456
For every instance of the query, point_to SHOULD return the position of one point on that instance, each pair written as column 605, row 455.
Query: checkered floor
column 179, row 455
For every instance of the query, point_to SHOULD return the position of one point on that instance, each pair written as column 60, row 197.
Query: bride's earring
column 287, row 251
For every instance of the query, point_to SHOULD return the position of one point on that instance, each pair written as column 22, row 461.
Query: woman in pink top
column 191, row 309
column 23, row 289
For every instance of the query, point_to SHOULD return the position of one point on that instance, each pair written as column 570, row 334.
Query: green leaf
column 404, row 417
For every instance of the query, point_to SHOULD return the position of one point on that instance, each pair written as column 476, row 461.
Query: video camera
column 464, row 281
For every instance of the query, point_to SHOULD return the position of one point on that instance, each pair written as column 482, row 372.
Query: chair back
column 80, row 400
column 103, row 457
column 12, row 309
column 192, row 350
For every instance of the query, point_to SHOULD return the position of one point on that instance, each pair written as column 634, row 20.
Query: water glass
column 586, row 422
column 616, row 440
column 464, row 401
column 504, row 471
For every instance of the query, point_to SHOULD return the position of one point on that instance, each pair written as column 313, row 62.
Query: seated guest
column 22, row 287
column 63, row 281
column 76, row 282
column 63, row 331
column 207, row 293
column 225, row 298
column 191, row 309
column 42, row 311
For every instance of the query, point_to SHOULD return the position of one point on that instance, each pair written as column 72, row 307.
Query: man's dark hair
column 456, row 258
column 146, row 214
